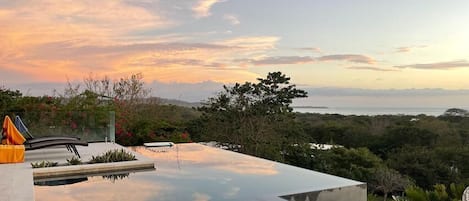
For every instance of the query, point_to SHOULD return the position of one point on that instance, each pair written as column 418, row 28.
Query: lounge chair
column 41, row 142
column 70, row 144
column 32, row 143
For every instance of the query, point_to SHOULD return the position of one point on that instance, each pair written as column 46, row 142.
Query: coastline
column 373, row 111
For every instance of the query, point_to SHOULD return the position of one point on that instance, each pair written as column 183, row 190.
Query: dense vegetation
column 420, row 156
column 85, row 109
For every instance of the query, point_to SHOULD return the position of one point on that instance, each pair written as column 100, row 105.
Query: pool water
column 197, row 172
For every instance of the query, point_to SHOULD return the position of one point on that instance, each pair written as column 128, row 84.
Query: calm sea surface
column 430, row 111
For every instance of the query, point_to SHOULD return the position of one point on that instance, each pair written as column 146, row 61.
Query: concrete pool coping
column 17, row 180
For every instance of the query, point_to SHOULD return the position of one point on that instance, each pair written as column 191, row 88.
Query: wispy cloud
column 404, row 49
column 73, row 39
column 372, row 68
column 232, row 19
column 354, row 58
column 67, row 49
column 164, row 63
column 252, row 42
column 279, row 60
column 311, row 49
column 78, row 17
column 38, row 28
column 438, row 65
column 202, row 7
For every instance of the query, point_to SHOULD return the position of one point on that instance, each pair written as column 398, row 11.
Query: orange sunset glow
column 317, row 44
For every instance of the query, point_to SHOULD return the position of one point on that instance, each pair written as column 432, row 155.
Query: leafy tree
column 251, row 115
column 387, row 180
column 8, row 100
column 456, row 112
column 423, row 165
column 299, row 155
column 399, row 136
column 358, row 164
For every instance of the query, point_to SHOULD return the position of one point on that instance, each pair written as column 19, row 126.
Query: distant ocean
column 371, row 111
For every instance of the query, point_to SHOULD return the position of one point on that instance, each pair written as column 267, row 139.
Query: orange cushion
column 11, row 153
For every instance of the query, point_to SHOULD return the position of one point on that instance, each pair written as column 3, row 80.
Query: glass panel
column 87, row 125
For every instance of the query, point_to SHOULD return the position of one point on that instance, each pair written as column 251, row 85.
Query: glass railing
column 92, row 126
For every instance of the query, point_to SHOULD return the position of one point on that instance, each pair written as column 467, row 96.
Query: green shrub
column 74, row 161
column 43, row 164
column 456, row 190
column 113, row 156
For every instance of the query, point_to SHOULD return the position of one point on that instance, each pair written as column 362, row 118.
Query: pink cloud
column 202, row 8
column 278, row 60
column 371, row 68
column 312, row 49
column 354, row 58
column 447, row 65
column 409, row 48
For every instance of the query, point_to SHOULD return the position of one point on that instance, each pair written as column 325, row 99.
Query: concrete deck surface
column 16, row 180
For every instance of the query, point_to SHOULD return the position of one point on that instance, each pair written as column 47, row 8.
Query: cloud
column 161, row 62
column 354, row 58
column 252, row 42
column 312, row 49
column 404, row 49
column 278, row 60
column 202, row 8
column 438, row 65
column 74, row 48
column 370, row 68
column 53, row 36
column 232, row 19
column 67, row 49
column 41, row 19
column 49, row 41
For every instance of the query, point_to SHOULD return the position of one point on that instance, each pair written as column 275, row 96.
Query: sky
column 187, row 49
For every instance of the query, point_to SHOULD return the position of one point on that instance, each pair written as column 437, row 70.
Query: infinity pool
column 200, row 173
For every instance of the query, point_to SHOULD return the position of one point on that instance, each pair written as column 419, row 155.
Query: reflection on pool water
column 197, row 172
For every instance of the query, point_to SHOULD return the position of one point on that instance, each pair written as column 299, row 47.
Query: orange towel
column 13, row 136
column 11, row 153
